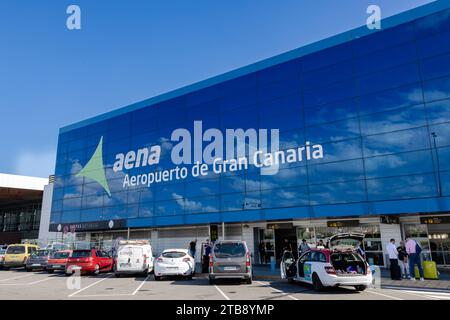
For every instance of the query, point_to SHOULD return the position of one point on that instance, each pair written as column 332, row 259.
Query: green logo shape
column 95, row 170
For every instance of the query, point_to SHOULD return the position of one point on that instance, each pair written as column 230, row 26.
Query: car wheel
column 49, row 271
column 157, row 278
column 248, row 280
column 117, row 275
column 28, row 269
column 97, row 270
column 211, row 280
column 360, row 288
column 290, row 280
column 317, row 284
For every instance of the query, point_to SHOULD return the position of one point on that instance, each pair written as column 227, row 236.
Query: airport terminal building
column 351, row 133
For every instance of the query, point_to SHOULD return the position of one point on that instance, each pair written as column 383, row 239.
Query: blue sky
column 128, row 51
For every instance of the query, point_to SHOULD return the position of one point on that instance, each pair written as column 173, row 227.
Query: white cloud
column 36, row 163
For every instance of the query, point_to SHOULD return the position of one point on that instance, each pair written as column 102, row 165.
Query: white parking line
column 43, row 280
column 222, row 293
column 277, row 290
column 92, row 284
column 14, row 278
column 140, row 286
column 384, row 295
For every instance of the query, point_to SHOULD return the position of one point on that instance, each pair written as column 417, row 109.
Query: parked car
column 174, row 262
column 38, row 260
column 230, row 259
column 2, row 256
column 89, row 261
column 340, row 265
column 58, row 261
column 18, row 254
column 133, row 257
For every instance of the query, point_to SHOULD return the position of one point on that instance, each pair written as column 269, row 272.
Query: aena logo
column 94, row 169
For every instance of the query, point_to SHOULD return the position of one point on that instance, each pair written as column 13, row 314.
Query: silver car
column 230, row 259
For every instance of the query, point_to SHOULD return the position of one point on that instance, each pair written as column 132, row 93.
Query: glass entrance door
column 439, row 243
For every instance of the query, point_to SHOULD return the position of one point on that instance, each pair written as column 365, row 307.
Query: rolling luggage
column 429, row 270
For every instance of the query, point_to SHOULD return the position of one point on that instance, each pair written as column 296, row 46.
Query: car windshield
column 60, row 255
column 40, row 253
column 173, row 254
column 81, row 254
column 16, row 250
column 226, row 250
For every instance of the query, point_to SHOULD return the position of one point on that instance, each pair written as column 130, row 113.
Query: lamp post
column 434, row 135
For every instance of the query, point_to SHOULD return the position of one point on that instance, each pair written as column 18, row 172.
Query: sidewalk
column 263, row 272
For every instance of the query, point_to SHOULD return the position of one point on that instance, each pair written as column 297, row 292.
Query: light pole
column 434, row 135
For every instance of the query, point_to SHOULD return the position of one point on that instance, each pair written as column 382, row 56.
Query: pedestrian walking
column 391, row 249
column 403, row 260
column 413, row 249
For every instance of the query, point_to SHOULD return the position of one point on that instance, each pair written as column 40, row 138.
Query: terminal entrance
column 285, row 238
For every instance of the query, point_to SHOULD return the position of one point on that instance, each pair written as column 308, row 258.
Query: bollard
column 272, row 263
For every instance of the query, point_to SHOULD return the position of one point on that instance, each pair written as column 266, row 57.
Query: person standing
column 192, row 248
column 403, row 260
column 262, row 252
column 303, row 247
column 206, row 253
column 413, row 250
column 391, row 249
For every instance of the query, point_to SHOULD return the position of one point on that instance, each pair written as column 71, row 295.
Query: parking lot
column 18, row 284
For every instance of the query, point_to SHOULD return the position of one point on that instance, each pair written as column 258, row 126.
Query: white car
column 174, row 262
column 339, row 265
column 133, row 257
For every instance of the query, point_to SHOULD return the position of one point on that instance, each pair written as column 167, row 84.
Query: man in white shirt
column 391, row 249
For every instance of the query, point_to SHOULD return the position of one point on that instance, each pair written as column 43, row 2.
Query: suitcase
column 429, row 270
column 396, row 272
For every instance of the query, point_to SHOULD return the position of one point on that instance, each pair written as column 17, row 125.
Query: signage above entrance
column 88, row 226
column 342, row 223
column 389, row 219
column 435, row 220
column 280, row 226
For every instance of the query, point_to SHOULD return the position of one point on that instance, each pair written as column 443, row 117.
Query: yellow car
column 17, row 255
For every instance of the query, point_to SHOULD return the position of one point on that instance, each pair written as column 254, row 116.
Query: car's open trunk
column 348, row 263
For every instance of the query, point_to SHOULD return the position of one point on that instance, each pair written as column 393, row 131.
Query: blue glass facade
column 372, row 103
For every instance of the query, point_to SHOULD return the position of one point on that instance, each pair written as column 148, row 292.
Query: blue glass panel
column 445, row 178
column 433, row 23
column 343, row 192
column 384, row 39
column 387, row 58
column 98, row 128
column 442, row 132
column 333, row 131
column 444, row 158
column 169, row 191
column 91, row 201
column 279, row 89
column 203, row 187
column 169, row 208
column 390, row 78
column 238, row 98
column 132, row 211
column 146, row 195
column 399, row 164
column 71, row 204
column 331, row 112
column 70, row 216
column 203, row 95
column 336, row 151
column 292, row 139
column 394, row 142
column 230, row 184
column 398, row 119
column 391, row 99
column 241, row 118
column 144, row 120
column 57, row 205
column 116, row 212
column 146, row 209
column 290, row 69
column 336, row 171
column 416, row 186
column 437, row 89
column 327, row 57
column 435, row 67
column 290, row 177
column 434, row 45
column 328, row 75
column 438, row 111
column 204, row 204
column 286, row 197
column 232, row 202
column 91, row 215
column 116, row 199
column 340, row 91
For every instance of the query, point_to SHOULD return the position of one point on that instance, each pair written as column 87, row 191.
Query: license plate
column 229, row 268
column 36, row 265
column 172, row 268
column 56, row 267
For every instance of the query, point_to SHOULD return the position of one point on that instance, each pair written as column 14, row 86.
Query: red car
column 89, row 261
column 58, row 261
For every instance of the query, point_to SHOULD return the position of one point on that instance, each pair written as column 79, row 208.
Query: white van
column 132, row 257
